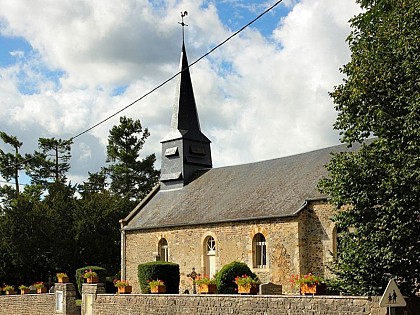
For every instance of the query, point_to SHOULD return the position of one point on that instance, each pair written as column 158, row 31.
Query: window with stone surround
column 163, row 250
column 209, row 256
column 259, row 247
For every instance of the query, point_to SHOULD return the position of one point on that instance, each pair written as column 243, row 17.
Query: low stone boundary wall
column 165, row 304
column 96, row 302
column 61, row 302
column 31, row 304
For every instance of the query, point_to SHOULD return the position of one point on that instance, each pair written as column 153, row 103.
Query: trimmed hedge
column 168, row 272
column 102, row 273
column 226, row 276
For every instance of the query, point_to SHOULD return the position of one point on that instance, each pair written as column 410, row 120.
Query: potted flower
column 40, row 287
column 123, row 286
column 157, row 286
column 24, row 289
column 9, row 289
column 247, row 284
column 62, row 277
column 206, row 285
column 91, row 276
column 308, row 284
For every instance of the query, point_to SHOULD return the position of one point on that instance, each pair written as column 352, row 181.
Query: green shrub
column 166, row 271
column 226, row 276
column 79, row 275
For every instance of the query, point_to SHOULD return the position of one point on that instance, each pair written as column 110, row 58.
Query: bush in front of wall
column 168, row 272
column 226, row 276
column 102, row 273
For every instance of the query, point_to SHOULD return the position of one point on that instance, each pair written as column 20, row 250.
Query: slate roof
column 267, row 189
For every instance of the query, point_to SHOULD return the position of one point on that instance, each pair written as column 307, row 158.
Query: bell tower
column 185, row 149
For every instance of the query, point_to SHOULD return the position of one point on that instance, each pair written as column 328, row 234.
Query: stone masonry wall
column 28, row 304
column 318, row 238
column 106, row 304
column 294, row 245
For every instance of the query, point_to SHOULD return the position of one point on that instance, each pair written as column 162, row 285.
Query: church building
column 267, row 214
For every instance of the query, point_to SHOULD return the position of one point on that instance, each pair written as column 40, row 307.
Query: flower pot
column 126, row 289
column 92, row 279
column 248, row 289
column 158, row 289
column 25, row 291
column 63, row 279
column 312, row 289
column 9, row 292
column 207, row 288
column 41, row 290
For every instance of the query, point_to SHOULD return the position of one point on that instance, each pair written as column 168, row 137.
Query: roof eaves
column 306, row 201
column 209, row 223
column 140, row 206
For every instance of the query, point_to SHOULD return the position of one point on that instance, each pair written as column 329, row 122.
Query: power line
column 179, row 72
column 168, row 80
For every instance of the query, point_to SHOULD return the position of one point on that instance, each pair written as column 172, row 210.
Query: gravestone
column 270, row 289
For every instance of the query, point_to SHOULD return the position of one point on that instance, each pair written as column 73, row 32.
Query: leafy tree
column 131, row 177
column 380, row 183
column 97, row 230
column 11, row 164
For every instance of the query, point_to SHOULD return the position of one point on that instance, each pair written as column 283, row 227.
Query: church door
column 210, row 256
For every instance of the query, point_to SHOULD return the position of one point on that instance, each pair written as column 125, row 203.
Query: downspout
column 123, row 251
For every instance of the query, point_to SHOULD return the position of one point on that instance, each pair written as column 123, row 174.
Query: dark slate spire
column 185, row 149
column 185, row 119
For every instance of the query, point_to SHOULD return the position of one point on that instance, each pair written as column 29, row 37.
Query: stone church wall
column 318, row 238
column 295, row 245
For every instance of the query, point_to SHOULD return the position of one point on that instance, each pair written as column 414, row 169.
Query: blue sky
column 262, row 95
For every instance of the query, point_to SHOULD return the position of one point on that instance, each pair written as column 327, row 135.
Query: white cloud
column 258, row 97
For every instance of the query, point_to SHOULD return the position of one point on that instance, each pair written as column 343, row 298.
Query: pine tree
column 131, row 177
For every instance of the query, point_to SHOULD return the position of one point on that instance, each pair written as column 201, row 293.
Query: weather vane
column 185, row 13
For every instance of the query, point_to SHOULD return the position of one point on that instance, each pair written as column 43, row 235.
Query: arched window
column 334, row 237
column 163, row 250
column 211, row 245
column 210, row 256
column 260, row 251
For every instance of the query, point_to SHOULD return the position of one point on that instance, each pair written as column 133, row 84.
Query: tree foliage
column 51, row 163
column 11, row 163
column 131, row 176
column 379, row 237
column 52, row 226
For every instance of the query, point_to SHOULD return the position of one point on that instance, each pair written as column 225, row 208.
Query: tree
column 11, row 164
column 130, row 177
column 97, row 231
column 51, row 163
column 96, row 183
column 380, row 183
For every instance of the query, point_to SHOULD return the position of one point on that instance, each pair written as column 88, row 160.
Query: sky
column 67, row 65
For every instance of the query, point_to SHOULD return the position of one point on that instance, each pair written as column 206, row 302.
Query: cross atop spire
column 185, row 13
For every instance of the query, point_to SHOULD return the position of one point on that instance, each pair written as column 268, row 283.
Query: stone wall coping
column 271, row 296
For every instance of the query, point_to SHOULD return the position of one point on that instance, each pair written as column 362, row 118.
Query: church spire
column 185, row 149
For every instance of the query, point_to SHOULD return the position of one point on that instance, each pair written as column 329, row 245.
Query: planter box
column 207, row 288
column 312, row 289
column 252, row 289
column 41, row 290
column 10, row 292
column 125, row 290
column 158, row 289
column 92, row 279
column 25, row 291
column 63, row 280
